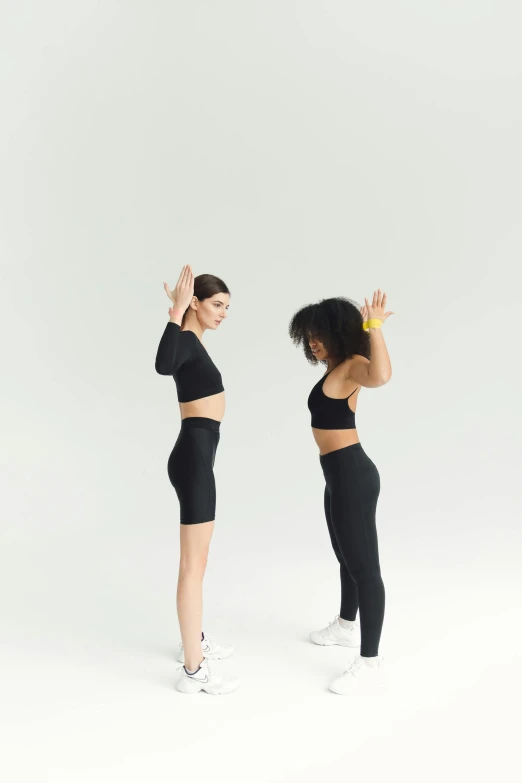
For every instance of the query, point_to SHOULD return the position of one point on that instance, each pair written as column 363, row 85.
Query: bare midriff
column 331, row 440
column 212, row 407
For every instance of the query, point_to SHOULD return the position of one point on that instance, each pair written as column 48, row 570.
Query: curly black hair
column 337, row 323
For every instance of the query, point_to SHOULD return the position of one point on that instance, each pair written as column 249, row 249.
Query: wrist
column 372, row 324
column 176, row 315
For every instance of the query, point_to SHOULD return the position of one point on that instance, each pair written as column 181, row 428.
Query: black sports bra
column 330, row 413
column 182, row 355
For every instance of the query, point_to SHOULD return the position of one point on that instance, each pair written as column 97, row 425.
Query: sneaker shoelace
column 331, row 626
column 336, row 622
column 353, row 669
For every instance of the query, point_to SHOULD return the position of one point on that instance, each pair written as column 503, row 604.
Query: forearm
column 379, row 368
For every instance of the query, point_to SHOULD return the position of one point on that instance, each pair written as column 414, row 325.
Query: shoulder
column 187, row 336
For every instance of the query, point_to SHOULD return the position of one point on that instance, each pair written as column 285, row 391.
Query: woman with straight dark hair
column 198, row 304
column 350, row 343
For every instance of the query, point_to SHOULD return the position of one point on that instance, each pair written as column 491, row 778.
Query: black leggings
column 350, row 501
column 190, row 469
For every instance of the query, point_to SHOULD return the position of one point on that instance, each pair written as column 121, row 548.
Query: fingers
column 181, row 276
column 187, row 277
column 378, row 300
column 184, row 277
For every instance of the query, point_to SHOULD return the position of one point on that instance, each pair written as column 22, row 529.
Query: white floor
column 88, row 674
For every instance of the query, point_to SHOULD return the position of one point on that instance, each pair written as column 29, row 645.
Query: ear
column 194, row 303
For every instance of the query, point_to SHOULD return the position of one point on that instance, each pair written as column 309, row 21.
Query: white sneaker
column 207, row 678
column 360, row 677
column 336, row 634
column 210, row 649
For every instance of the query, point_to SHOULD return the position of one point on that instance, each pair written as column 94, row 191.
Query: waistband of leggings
column 354, row 448
column 200, row 421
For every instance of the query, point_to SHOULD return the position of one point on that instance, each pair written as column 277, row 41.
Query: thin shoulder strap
column 357, row 387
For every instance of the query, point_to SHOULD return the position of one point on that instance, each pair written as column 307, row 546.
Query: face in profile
column 213, row 310
column 318, row 348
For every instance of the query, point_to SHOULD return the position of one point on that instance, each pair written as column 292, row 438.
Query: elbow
column 381, row 379
column 161, row 369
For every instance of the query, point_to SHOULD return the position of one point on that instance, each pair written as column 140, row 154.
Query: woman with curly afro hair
column 350, row 343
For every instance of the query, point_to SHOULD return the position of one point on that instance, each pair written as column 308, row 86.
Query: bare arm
column 377, row 370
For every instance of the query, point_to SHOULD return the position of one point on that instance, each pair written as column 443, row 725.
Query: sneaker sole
column 372, row 689
column 343, row 693
column 189, row 687
column 327, row 643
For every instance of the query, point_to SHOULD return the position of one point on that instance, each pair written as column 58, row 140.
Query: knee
column 193, row 566
column 367, row 574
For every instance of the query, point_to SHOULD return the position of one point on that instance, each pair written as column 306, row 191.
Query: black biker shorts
column 191, row 469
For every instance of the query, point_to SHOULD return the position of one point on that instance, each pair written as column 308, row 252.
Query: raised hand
column 182, row 295
column 377, row 307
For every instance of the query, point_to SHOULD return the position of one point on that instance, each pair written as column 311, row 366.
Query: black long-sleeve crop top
column 182, row 355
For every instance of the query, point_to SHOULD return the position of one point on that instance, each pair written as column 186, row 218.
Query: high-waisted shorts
column 191, row 469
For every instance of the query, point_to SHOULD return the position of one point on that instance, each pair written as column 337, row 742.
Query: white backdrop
column 298, row 150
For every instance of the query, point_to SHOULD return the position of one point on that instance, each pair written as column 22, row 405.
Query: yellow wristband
column 372, row 323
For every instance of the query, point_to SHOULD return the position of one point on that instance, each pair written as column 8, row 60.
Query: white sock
column 195, row 670
column 346, row 624
column 373, row 662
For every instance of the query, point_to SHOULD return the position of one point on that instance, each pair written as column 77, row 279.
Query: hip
column 199, row 436
column 348, row 465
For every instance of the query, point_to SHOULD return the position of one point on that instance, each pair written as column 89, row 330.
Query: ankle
column 372, row 662
column 191, row 666
column 346, row 624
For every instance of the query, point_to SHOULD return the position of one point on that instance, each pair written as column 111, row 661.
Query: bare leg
column 194, row 546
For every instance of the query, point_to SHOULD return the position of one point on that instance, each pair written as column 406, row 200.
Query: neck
column 191, row 322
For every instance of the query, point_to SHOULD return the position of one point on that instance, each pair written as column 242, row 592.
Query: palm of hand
column 376, row 308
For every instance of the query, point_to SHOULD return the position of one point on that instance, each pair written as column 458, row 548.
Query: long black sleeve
column 169, row 343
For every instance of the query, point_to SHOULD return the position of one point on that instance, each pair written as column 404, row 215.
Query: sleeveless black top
column 330, row 413
column 182, row 355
